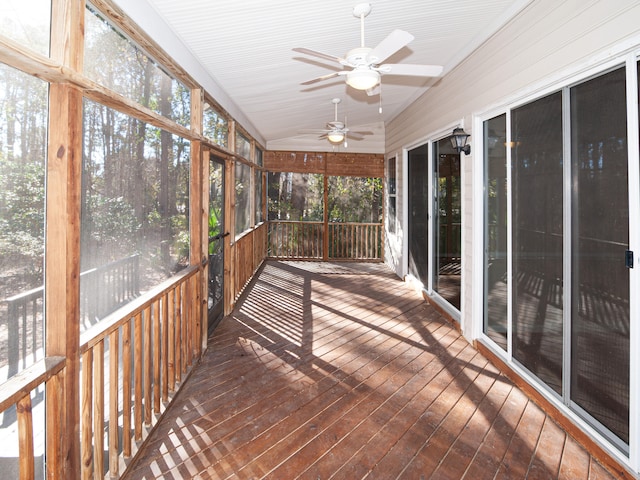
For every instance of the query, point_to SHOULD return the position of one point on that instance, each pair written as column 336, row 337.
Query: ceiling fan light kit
column 362, row 78
column 335, row 136
column 363, row 66
column 336, row 131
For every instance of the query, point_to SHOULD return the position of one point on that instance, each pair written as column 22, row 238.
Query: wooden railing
column 295, row 240
column 305, row 240
column 248, row 252
column 132, row 362
column 107, row 288
column 16, row 392
column 355, row 241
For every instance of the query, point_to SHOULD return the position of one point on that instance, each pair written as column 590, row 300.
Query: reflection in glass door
column 600, row 320
column 568, row 319
column 446, row 234
column 216, row 241
column 537, row 229
column 496, row 231
column 418, row 206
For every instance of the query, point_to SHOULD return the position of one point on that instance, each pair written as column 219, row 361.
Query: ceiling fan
column 337, row 131
column 364, row 65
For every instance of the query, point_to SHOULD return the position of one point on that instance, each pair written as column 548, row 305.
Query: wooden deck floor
column 341, row 371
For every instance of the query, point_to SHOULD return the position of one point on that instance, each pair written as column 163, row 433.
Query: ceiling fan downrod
column 362, row 10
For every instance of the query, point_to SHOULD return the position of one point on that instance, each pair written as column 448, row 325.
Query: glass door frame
column 631, row 61
column 428, row 142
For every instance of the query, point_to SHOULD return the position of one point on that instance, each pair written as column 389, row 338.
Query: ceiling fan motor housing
column 359, row 57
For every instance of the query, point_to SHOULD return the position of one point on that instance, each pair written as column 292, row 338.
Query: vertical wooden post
column 198, row 212
column 204, row 279
column 62, row 258
column 263, row 176
column 252, row 189
column 229, row 222
column 325, row 228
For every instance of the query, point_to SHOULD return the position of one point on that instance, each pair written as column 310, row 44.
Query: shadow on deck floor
column 329, row 370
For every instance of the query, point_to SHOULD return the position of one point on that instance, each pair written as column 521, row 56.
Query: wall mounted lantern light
column 459, row 141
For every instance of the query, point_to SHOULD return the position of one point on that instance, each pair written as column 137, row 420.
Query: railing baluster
column 156, row 356
column 164, row 347
column 178, row 337
column 147, row 367
column 126, row 388
column 25, row 437
column 53, row 449
column 187, row 325
column 137, row 377
column 98, row 411
column 86, row 413
column 171, row 341
column 114, row 447
column 183, row 329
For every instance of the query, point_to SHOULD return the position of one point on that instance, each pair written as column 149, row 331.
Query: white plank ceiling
column 246, row 47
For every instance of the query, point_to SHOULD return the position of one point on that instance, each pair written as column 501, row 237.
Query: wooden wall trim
column 133, row 30
column 52, row 71
column 62, row 246
column 329, row 163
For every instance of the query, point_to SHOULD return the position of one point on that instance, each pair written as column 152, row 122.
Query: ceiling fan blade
column 358, row 135
column 323, row 77
column 411, row 69
column 390, row 45
column 315, row 53
column 315, row 131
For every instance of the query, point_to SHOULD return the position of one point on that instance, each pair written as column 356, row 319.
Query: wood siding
column 335, row 164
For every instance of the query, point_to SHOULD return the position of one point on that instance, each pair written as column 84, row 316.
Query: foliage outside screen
column 214, row 126
column 135, row 195
column 23, row 146
column 23, row 136
column 243, row 198
column 300, row 197
column 27, row 22
column 115, row 62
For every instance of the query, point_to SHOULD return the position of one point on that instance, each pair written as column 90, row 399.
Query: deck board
column 341, row 371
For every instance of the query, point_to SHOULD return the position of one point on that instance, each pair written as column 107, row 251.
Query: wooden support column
column 230, row 224
column 325, row 227
column 62, row 254
column 199, row 195
column 263, row 176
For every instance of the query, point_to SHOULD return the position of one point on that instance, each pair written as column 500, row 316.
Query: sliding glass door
column 557, row 297
column 434, row 206
column 418, row 207
column 599, row 240
column 447, row 222
column 537, row 170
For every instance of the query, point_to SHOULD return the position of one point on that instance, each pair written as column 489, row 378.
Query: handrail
column 114, row 320
column 132, row 362
column 301, row 240
column 25, row 381
column 17, row 392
